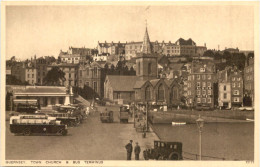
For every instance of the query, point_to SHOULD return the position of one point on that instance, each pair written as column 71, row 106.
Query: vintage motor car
column 123, row 114
column 164, row 150
column 29, row 124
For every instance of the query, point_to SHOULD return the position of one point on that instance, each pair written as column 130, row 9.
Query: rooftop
column 122, row 82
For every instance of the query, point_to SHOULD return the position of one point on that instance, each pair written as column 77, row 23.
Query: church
column 146, row 86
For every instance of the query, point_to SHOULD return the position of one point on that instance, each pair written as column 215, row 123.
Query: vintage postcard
column 129, row 83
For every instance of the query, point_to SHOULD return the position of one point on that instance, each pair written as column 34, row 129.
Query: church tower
column 146, row 60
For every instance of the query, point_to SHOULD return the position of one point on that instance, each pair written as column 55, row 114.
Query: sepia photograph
column 101, row 83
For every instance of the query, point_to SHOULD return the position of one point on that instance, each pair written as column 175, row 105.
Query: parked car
column 164, row 150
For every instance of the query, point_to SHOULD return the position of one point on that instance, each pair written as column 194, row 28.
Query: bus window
column 162, row 144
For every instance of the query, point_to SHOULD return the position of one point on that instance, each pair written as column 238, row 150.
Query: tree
column 54, row 77
column 208, row 53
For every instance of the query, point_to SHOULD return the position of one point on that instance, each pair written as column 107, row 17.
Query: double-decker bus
column 29, row 124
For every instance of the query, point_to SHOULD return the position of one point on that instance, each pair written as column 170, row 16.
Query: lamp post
column 200, row 123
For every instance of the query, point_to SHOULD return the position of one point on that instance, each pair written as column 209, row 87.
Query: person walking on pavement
column 129, row 149
column 137, row 151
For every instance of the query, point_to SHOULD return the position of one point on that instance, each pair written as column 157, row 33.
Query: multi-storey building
column 111, row 48
column 75, row 55
column 90, row 75
column 230, row 87
column 42, row 64
column 182, row 47
column 70, row 58
column 31, row 75
column 71, row 73
column 18, row 70
column 133, row 48
column 249, row 79
column 200, row 84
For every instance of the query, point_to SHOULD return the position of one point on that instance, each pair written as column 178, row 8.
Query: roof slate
column 122, row 82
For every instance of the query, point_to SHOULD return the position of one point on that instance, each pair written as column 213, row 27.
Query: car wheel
column 27, row 132
column 63, row 132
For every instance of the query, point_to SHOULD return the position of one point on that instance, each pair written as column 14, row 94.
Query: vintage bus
column 65, row 118
column 29, row 124
column 25, row 105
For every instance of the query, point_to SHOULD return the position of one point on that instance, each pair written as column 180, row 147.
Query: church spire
column 146, row 46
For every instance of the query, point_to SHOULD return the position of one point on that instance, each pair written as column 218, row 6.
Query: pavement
column 91, row 140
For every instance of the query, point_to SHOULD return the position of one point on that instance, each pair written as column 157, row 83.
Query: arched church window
column 149, row 68
column 147, row 93
column 161, row 92
column 139, row 66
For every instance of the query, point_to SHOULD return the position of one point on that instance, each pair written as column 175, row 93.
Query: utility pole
column 146, row 116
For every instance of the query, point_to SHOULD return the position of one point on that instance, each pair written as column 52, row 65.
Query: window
column 198, row 84
column 189, row 85
column 147, row 93
column 234, row 85
column 198, row 100
column 161, row 92
column 238, row 78
column 118, row 95
column 39, row 80
column 203, row 84
column 233, row 78
column 189, row 92
column 236, row 92
column 149, row 68
column 209, row 84
column 139, row 66
column 236, row 99
column 28, row 75
column 225, row 87
column 69, row 75
column 53, row 100
column 203, row 100
column 80, row 73
column 95, row 71
column 224, row 96
column 60, row 100
column 87, row 83
column 175, row 93
column 209, row 77
column 95, row 86
column 203, row 77
column 189, row 78
column 209, row 100
column 32, row 75
column 198, row 92
column 32, row 81
column 238, row 85
column 198, row 77
column 209, row 92
column 203, row 92
column 202, row 69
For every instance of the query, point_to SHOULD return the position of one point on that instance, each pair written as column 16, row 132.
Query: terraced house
column 200, row 84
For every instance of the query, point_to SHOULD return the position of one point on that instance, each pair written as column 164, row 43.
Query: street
column 91, row 140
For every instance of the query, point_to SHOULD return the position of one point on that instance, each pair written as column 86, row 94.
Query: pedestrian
column 137, row 151
column 129, row 149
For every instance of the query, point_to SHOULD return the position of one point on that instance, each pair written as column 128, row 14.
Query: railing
column 192, row 156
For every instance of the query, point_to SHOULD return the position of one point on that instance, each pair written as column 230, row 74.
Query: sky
column 45, row 30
